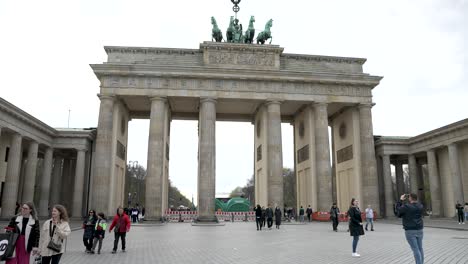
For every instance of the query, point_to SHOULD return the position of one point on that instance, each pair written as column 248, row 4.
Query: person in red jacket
column 121, row 222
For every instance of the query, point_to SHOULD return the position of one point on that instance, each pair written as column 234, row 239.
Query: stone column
column 103, row 158
column 207, row 160
column 456, row 173
column 400, row 183
column 10, row 196
column 413, row 173
column 434, row 182
column 322, row 156
column 368, row 162
column 56, row 182
column 46, row 183
column 388, row 186
column 274, row 155
column 30, row 177
column 155, row 167
column 79, row 181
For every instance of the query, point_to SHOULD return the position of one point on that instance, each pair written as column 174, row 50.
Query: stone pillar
column 10, row 196
column 413, row 174
column 155, row 167
column 434, row 182
column 79, row 181
column 30, row 177
column 207, row 160
column 456, row 173
column 388, row 186
column 400, row 183
column 103, row 159
column 56, row 182
column 46, row 183
column 274, row 155
column 368, row 162
column 322, row 156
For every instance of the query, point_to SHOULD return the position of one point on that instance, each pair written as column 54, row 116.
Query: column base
column 206, row 219
column 154, row 219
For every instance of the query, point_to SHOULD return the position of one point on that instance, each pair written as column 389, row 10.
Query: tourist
column 278, row 215
column 135, row 213
column 121, row 222
column 143, row 213
column 301, row 214
column 258, row 217
column 26, row 225
column 411, row 213
column 56, row 230
column 263, row 216
column 466, row 212
column 99, row 232
column 89, row 224
column 269, row 216
column 309, row 213
column 461, row 217
column 334, row 216
column 369, row 217
column 355, row 225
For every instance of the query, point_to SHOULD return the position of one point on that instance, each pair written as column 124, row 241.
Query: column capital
column 81, row 150
column 319, row 104
column 453, row 144
column 273, row 101
column 106, row 97
column 430, row 151
column 158, row 98
column 208, row 99
column 365, row 105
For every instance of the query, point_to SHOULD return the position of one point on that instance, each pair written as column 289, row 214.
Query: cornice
column 321, row 58
column 440, row 131
column 148, row 50
column 208, row 45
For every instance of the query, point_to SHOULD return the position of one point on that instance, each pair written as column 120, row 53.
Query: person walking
column 309, row 213
column 301, row 214
column 355, row 224
column 121, row 222
column 263, row 216
column 461, row 217
column 466, row 212
column 269, row 216
column 369, row 217
column 99, row 233
column 53, row 232
column 89, row 224
column 411, row 213
column 26, row 225
column 135, row 213
column 278, row 215
column 258, row 217
column 334, row 215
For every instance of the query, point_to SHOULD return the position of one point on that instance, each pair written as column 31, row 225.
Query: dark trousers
column 308, row 217
column 54, row 259
column 88, row 242
column 96, row 241
column 134, row 218
column 461, row 217
column 259, row 223
column 116, row 240
column 335, row 223
column 270, row 222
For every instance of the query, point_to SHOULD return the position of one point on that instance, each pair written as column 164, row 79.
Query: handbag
column 7, row 244
column 54, row 246
column 361, row 230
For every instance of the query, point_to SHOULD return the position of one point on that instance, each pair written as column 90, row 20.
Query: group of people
column 462, row 213
column 44, row 242
column 262, row 214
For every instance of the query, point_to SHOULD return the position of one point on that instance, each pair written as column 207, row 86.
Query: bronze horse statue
column 250, row 32
column 216, row 33
column 265, row 34
column 230, row 30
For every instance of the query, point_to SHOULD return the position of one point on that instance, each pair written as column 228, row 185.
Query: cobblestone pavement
column 241, row 243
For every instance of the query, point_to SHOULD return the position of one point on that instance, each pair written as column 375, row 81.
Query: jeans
column 301, row 218
column 355, row 242
column 259, row 223
column 88, row 243
column 269, row 222
column 335, row 223
column 95, row 242
column 460, row 217
column 414, row 238
column 466, row 216
column 116, row 240
column 54, row 259
column 371, row 222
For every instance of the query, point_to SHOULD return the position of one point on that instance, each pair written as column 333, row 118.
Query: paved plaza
column 241, row 243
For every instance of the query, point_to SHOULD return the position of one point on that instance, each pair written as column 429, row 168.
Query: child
column 101, row 226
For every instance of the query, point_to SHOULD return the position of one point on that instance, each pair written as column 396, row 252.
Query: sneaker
column 114, row 251
column 356, row 255
column 123, row 250
column 99, row 252
column 463, row 223
column 92, row 252
column 372, row 230
column 459, row 223
column 366, row 229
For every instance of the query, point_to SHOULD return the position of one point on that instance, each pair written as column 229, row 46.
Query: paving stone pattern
column 241, row 243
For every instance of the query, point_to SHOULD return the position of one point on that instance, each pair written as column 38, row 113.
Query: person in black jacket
column 411, row 213
column 89, row 225
column 269, row 216
column 334, row 214
column 278, row 216
column 258, row 217
column 355, row 224
column 26, row 225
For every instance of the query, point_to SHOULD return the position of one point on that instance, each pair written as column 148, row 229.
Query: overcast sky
column 419, row 46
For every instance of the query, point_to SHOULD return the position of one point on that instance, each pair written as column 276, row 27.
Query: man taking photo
column 411, row 212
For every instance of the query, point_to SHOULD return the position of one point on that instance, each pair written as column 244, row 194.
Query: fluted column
column 322, row 156
column 274, row 155
column 46, row 182
column 79, row 181
column 56, row 182
column 456, row 173
column 368, row 163
column 30, row 176
column 413, row 173
column 388, row 186
column 10, row 196
column 400, row 183
column 155, row 171
column 207, row 160
column 103, row 158
column 434, row 182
